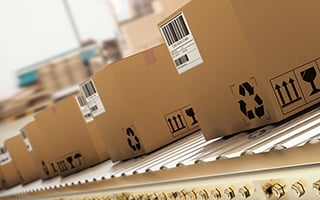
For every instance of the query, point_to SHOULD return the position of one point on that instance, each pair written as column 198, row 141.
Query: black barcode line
column 89, row 89
column 181, row 60
column 92, row 87
column 94, row 108
column 175, row 30
column 81, row 100
column 85, row 91
column 167, row 35
column 3, row 150
column 183, row 24
column 23, row 135
column 87, row 116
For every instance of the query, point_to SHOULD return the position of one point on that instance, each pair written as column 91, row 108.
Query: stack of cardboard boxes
column 29, row 99
column 122, row 113
column 62, row 73
column 244, row 66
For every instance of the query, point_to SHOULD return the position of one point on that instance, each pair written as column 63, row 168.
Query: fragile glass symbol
column 309, row 75
column 191, row 114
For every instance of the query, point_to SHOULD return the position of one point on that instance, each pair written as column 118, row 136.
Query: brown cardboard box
column 22, row 159
column 10, row 174
column 139, row 104
column 2, row 180
column 95, row 134
column 246, row 63
column 72, row 147
column 35, row 141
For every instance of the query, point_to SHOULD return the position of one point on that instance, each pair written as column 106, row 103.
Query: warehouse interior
column 159, row 100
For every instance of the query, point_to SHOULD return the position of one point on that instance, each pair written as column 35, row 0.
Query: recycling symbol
column 133, row 140
column 246, row 90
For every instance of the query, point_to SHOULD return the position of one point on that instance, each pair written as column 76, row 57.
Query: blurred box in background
column 62, row 73
column 141, row 32
column 22, row 158
column 139, row 104
column 109, row 51
column 46, row 78
column 28, row 100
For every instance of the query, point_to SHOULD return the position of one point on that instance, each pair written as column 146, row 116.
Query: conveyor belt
column 257, row 159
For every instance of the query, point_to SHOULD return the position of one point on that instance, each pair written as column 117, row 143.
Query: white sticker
column 84, row 108
column 5, row 157
column 26, row 140
column 181, row 44
column 93, row 99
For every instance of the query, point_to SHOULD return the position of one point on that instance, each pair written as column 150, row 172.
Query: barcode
column 181, row 60
column 23, row 134
column 88, row 89
column 87, row 115
column 81, row 100
column 93, row 108
column 175, row 30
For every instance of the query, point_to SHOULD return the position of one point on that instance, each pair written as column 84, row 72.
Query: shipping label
column 181, row 44
column 5, row 156
column 92, row 97
column 84, row 108
column 26, row 140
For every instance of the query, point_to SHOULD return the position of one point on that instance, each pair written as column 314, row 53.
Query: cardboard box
column 40, row 151
column 2, row 180
column 11, row 177
column 245, row 63
column 95, row 134
column 71, row 143
column 22, row 159
column 139, row 104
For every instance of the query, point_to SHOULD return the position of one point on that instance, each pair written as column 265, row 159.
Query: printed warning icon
column 176, row 123
column 45, row 168
column 251, row 105
column 309, row 75
column 182, row 120
column 287, row 92
column 308, row 81
column 133, row 140
column 71, row 162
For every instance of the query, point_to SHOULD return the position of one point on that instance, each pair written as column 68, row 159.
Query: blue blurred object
column 28, row 78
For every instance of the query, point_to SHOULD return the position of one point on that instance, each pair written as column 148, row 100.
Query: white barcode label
column 93, row 99
column 26, row 140
column 181, row 44
column 84, row 108
column 5, row 157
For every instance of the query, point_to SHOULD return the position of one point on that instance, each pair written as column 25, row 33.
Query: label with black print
column 181, row 44
column 92, row 97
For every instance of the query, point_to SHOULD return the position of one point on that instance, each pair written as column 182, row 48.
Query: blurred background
column 47, row 47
